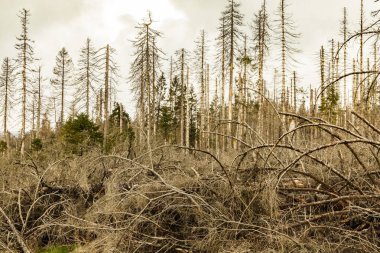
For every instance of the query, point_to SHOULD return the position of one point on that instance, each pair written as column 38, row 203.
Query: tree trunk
column 230, row 93
column 62, row 91
column 283, row 48
column 39, row 101
column 223, row 90
column 88, row 79
column 182, row 116
column 106, row 97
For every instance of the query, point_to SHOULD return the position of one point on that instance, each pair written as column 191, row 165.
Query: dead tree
column 232, row 20
column 87, row 76
column 24, row 47
column 63, row 74
column 7, row 91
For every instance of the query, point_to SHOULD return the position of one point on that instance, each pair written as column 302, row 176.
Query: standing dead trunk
column 106, row 97
column 39, row 102
column 120, row 118
column 182, row 116
column 187, row 128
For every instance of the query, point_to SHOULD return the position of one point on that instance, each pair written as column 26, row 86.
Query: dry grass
column 280, row 197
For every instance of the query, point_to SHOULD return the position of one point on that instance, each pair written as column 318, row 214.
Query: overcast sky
column 67, row 23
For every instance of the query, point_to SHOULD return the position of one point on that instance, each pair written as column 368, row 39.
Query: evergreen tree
column 7, row 91
column 229, row 36
column 25, row 59
column 87, row 76
column 63, row 72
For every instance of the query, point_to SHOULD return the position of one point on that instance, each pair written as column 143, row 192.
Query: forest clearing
column 219, row 147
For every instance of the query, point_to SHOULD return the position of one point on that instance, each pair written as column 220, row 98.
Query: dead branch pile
column 279, row 197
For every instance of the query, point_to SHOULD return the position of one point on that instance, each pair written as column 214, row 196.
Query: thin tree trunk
column 39, row 103
column 88, row 79
column 283, row 48
column 23, row 127
column 106, row 97
column 62, row 91
column 362, row 90
column 208, row 138
column 182, row 116
column 223, row 89
column 187, row 128
column 294, row 92
column 120, row 118
column 6, row 87
column 322, row 66
column 148, row 84
column 230, row 93
column 203, row 91
column 154, row 91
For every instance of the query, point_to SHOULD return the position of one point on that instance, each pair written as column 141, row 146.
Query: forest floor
column 267, row 198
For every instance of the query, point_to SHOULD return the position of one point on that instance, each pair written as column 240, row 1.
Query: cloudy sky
column 67, row 23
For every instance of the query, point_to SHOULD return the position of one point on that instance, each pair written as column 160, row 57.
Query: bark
column 106, row 97
column 182, row 116
column 230, row 90
column 39, row 102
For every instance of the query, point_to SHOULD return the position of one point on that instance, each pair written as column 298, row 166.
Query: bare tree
column 200, row 53
column 146, row 61
column 286, row 38
column 232, row 21
column 87, row 75
column 261, row 39
column 7, row 91
column 63, row 72
column 110, row 69
column 25, row 59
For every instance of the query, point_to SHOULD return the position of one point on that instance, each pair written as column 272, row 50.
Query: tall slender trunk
column 216, row 117
column 106, row 99
column 171, row 99
column 88, row 79
column 62, row 92
column 230, row 90
column 24, row 59
column 154, row 90
column 182, row 127
column 203, row 95
column 283, row 56
column 101, row 100
column 208, row 139
column 142, row 115
column 147, row 52
column 245, row 91
column 345, row 56
column 120, row 118
column 322, row 66
column 375, row 86
column 6, row 89
column 354, row 86
column 362, row 89
column 187, row 128
column 39, row 103
column 294, row 92
column 223, row 87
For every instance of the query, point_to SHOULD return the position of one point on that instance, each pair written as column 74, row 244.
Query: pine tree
column 200, row 53
column 7, row 91
column 286, row 39
column 25, row 59
column 63, row 72
column 144, row 72
column 38, row 100
column 261, row 39
column 232, row 21
column 87, row 76
column 108, row 65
